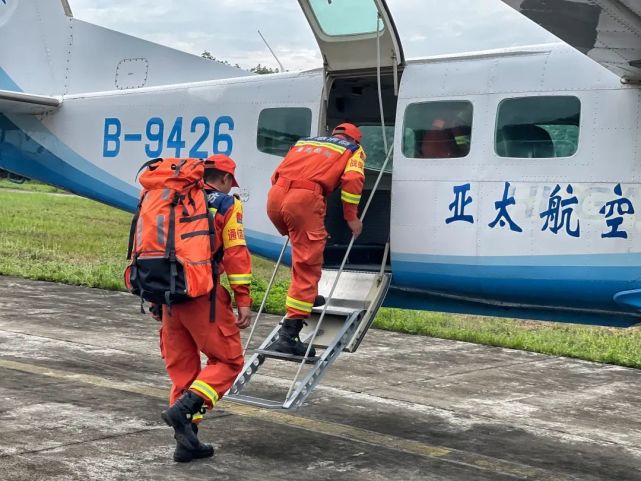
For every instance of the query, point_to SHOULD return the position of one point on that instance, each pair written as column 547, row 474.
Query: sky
column 228, row 28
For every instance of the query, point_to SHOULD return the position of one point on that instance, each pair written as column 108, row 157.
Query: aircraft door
column 347, row 33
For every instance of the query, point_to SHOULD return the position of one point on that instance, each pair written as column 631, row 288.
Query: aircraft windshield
column 345, row 17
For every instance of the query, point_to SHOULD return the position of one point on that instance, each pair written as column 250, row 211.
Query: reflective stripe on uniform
column 327, row 145
column 204, row 388
column 350, row 198
column 299, row 305
column 238, row 279
column 196, row 418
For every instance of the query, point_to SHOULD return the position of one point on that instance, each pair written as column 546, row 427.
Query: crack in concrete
column 79, row 443
column 461, row 373
column 67, row 341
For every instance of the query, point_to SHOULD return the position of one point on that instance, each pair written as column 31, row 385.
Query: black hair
column 215, row 175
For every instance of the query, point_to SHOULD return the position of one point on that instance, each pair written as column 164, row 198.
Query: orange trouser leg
column 189, row 331
column 275, row 199
column 302, row 213
column 181, row 355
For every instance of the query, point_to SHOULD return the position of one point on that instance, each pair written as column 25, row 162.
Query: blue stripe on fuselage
column 21, row 154
column 267, row 245
column 7, row 83
column 412, row 299
column 576, row 281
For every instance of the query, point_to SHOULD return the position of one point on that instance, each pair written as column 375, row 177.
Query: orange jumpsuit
column 312, row 169
column 188, row 330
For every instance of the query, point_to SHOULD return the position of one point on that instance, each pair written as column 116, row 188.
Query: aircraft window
column 438, row 130
column 339, row 17
column 280, row 128
column 375, row 148
column 538, row 127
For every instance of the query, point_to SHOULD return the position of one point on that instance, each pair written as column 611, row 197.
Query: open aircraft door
column 348, row 32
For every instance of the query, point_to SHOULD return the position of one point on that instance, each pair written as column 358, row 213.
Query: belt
column 299, row 184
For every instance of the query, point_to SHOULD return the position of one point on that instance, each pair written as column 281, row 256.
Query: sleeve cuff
column 350, row 211
column 243, row 300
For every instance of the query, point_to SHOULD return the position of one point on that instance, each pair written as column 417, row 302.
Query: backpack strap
column 149, row 163
column 132, row 233
column 170, row 251
column 130, row 249
column 132, row 229
column 216, row 257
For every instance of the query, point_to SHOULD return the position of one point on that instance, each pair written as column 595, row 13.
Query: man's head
column 219, row 172
column 349, row 132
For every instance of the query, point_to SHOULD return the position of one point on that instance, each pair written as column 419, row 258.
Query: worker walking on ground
column 187, row 330
column 205, row 323
column 313, row 169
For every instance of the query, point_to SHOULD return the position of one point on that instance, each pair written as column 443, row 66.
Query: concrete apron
column 82, row 385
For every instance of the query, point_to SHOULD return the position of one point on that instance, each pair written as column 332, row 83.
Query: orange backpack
column 172, row 238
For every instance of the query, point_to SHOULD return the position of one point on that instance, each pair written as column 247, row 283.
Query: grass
column 77, row 241
column 81, row 242
column 592, row 343
column 62, row 239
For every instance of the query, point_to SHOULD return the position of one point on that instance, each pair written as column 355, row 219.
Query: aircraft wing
column 608, row 31
column 23, row 103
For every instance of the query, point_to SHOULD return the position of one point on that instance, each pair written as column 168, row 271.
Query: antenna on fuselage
column 282, row 69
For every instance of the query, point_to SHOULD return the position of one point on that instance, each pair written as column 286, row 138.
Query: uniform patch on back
column 220, row 202
column 212, row 196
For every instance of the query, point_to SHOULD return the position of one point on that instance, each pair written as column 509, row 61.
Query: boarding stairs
column 345, row 320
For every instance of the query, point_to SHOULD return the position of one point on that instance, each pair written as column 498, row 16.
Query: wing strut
column 22, row 103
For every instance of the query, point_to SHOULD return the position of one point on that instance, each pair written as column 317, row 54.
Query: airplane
column 515, row 182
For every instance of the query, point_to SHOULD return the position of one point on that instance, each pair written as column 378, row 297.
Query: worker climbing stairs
column 352, row 301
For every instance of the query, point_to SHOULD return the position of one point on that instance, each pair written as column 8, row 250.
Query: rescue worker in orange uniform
column 312, row 169
column 187, row 330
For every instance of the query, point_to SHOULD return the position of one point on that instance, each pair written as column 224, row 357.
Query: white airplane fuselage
column 554, row 238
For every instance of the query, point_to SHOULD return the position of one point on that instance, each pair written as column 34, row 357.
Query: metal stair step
column 286, row 357
column 254, row 401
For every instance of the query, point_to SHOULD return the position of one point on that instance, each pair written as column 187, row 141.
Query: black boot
column 319, row 301
column 179, row 417
column 182, row 455
column 288, row 341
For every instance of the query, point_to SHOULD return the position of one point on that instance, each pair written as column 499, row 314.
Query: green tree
column 263, row 69
column 259, row 69
column 207, row 54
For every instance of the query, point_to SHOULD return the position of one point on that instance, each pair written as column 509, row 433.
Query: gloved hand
column 156, row 311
